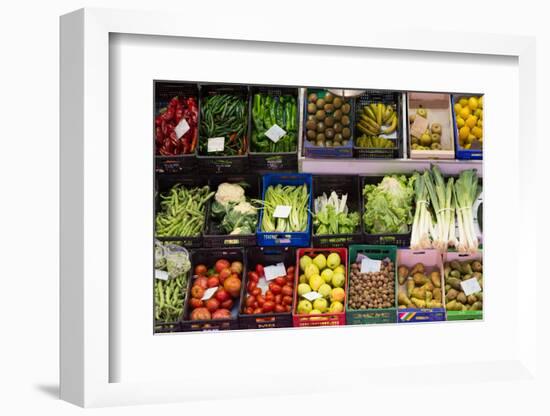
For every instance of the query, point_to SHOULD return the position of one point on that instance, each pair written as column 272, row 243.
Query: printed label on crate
column 470, row 286
column 272, row 272
column 311, row 296
column 216, row 144
column 182, row 128
column 419, row 126
column 161, row 274
column 370, row 265
column 275, row 133
column 282, row 211
column 208, row 293
column 262, row 285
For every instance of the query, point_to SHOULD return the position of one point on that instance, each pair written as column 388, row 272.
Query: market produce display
column 172, row 266
column 321, row 285
column 372, row 290
column 376, row 119
column 232, row 211
column 331, row 215
column 389, row 205
column 223, row 116
column 176, row 127
column 419, row 287
column 215, row 290
column 296, row 197
column 273, row 296
column 182, row 211
column 430, row 138
column 464, row 285
column 269, row 111
column 469, row 122
column 328, row 119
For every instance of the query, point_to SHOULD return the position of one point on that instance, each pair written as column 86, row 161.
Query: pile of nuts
column 374, row 290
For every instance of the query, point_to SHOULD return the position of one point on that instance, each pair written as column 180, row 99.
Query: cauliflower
column 245, row 208
column 229, row 192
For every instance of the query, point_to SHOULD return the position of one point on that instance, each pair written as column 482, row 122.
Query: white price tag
column 311, row 296
column 274, row 133
column 370, row 265
column 216, row 144
column 181, row 128
column 208, row 293
column 282, row 211
column 470, row 286
column 272, row 272
column 262, row 284
column 161, row 274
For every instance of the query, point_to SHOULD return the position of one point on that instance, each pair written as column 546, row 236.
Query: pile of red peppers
column 166, row 139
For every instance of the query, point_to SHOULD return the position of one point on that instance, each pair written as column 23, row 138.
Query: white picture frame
column 85, row 209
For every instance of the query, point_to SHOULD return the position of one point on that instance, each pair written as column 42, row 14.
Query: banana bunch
column 377, row 118
column 374, row 142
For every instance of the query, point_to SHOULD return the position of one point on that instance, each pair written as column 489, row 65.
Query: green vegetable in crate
column 388, row 205
column 374, row 142
column 459, row 272
column 224, row 116
column 267, row 111
column 377, row 118
column 232, row 211
column 297, row 197
column 182, row 211
column 331, row 215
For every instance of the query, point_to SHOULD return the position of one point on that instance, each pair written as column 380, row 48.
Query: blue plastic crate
column 461, row 153
column 298, row 239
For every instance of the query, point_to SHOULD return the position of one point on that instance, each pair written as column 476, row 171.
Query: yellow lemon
column 471, row 138
column 465, row 112
column 471, row 121
column 467, row 146
column 464, row 132
column 480, row 123
column 472, row 103
column 480, row 102
column 478, row 113
column 463, row 102
column 458, row 107
column 459, row 122
column 477, row 132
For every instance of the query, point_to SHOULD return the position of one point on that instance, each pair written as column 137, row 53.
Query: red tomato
column 233, row 286
column 228, row 304
column 287, row 308
column 257, row 311
column 256, row 292
column 221, row 294
column 201, row 281
column 196, row 303
column 279, row 309
column 251, row 286
column 287, row 300
column 255, row 304
column 236, row 276
column 200, row 314
column 236, row 267
column 224, row 274
column 221, row 264
column 260, row 269
column 281, row 281
column 213, row 281
column 221, row 314
column 212, row 304
column 290, row 271
column 286, row 290
column 253, row 277
column 269, row 296
column 268, row 306
column 200, row 270
column 275, row 288
column 249, row 311
column 197, row 291
column 250, row 300
column 261, row 300
column 279, row 299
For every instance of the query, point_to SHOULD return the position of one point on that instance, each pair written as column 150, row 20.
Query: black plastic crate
column 164, row 184
column 272, row 161
column 163, row 92
column 399, row 240
column 220, row 164
column 266, row 256
column 385, row 97
column 208, row 257
column 341, row 184
column 212, row 235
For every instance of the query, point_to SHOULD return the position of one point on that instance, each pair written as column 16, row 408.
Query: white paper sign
column 470, row 286
column 208, row 293
column 311, row 296
column 370, row 265
column 274, row 133
column 161, row 274
column 272, row 272
column 262, row 284
column 282, row 211
column 181, row 128
column 216, row 144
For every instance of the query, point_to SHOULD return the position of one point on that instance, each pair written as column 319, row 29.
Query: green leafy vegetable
column 297, row 197
column 331, row 215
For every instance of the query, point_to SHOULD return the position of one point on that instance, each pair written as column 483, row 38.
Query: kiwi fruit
column 346, row 108
column 329, row 133
column 337, row 102
column 320, row 103
column 320, row 115
column 311, row 134
column 329, row 97
column 329, row 121
column 345, row 142
column 329, row 107
column 311, row 125
column 312, row 97
column 337, row 115
column 338, row 137
column 337, row 127
column 320, row 127
column 311, row 108
column 346, row 133
column 328, row 143
column 320, row 143
column 320, row 137
column 345, row 120
column 311, row 117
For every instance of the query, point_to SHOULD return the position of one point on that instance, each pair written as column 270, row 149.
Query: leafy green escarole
column 331, row 215
column 232, row 211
